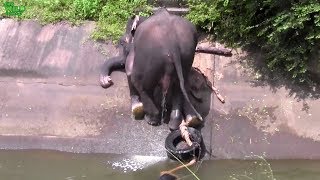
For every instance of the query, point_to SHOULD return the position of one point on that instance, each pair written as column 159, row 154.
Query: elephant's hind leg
column 136, row 105
column 176, row 115
column 152, row 112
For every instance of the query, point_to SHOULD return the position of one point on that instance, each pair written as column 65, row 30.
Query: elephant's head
column 127, row 38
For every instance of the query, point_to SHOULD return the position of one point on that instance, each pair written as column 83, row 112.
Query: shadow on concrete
column 254, row 60
column 241, row 135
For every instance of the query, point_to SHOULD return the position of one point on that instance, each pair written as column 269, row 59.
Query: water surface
column 53, row 165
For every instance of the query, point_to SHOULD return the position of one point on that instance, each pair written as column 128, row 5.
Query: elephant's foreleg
column 108, row 66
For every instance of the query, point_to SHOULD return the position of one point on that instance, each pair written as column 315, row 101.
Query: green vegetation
column 286, row 31
column 111, row 15
column 114, row 16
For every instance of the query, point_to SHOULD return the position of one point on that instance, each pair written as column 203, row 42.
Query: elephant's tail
column 178, row 67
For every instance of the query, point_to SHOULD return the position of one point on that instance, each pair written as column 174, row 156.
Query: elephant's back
column 169, row 27
column 156, row 32
column 168, row 33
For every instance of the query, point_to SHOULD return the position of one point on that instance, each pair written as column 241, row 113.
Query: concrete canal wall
column 50, row 98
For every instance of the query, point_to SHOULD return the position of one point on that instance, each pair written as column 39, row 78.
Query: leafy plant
column 286, row 31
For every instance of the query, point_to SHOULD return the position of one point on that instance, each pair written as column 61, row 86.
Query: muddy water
column 52, row 165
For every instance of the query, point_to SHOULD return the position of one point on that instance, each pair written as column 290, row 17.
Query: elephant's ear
column 134, row 24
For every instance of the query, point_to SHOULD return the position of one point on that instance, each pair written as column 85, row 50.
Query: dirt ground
column 50, row 98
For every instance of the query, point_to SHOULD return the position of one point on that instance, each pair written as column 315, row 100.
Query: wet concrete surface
column 50, row 98
column 261, row 119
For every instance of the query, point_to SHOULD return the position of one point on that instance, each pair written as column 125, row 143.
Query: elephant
column 159, row 53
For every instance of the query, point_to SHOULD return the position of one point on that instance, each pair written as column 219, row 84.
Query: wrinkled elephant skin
column 161, row 54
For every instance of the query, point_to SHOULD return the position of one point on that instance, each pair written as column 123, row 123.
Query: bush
column 286, row 31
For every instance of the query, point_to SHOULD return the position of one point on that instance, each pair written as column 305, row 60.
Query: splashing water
column 135, row 163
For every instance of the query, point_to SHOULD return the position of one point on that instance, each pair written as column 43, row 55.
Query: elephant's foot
column 175, row 120
column 174, row 124
column 193, row 121
column 105, row 81
column 153, row 121
column 137, row 110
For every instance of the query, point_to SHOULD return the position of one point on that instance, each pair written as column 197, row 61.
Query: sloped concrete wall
column 53, row 50
column 50, row 98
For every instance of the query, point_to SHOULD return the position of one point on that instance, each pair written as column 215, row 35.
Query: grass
column 110, row 15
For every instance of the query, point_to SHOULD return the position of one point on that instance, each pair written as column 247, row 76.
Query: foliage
column 286, row 31
column 111, row 15
column 47, row 11
column 85, row 9
column 114, row 15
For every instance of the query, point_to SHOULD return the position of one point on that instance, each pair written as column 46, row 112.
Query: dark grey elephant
column 159, row 53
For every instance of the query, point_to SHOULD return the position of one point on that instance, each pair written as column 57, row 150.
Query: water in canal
column 53, row 165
